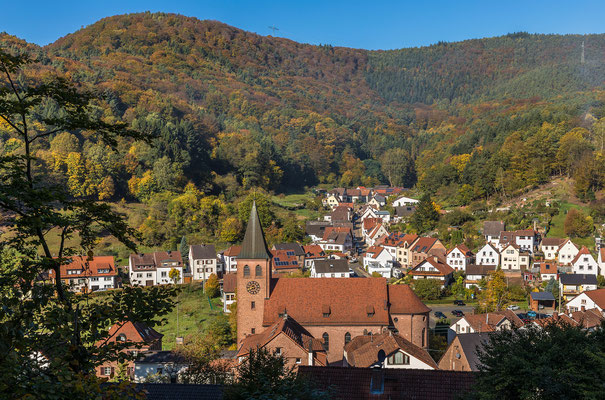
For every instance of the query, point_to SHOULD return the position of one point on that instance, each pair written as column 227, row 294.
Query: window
column 278, row 351
column 298, row 361
column 326, row 339
column 252, row 305
column 399, row 359
column 347, row 337
column 106, row 371
column 258, row 271
column 121, row 337
column 253, row 331
column 164, row 274
column 246, row 271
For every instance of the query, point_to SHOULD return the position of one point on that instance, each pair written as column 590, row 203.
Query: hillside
column 232, row 110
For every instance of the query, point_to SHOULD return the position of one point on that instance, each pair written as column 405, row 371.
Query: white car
column 513, row 307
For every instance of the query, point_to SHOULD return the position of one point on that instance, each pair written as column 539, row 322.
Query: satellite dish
column 381, row 356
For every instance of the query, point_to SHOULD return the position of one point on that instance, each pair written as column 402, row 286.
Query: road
column 447, row 310
column 359, row 271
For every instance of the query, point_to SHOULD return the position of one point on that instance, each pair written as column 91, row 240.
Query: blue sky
column 362, row 24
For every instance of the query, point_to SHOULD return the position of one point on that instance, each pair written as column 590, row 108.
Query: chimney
column 310, row 351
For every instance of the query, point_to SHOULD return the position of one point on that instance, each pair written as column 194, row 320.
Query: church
column 332, row 311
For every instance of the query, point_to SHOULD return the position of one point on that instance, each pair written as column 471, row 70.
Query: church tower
column 253, row 279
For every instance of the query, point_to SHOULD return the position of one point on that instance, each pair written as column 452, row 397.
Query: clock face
column 253, row 287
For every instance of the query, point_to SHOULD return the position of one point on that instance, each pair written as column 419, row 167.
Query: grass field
column 557, row 228
column 292, row 202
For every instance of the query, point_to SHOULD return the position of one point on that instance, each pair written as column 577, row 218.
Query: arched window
column 246, row 270
column 347, row 337
column 121, row 337
column 326, row 338
column 259, row 271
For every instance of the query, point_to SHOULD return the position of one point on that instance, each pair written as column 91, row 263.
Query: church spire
column 254, row 246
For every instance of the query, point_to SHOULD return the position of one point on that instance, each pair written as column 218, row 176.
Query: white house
column 488, row 322
column 548, row 271
column 488, row 255
column 230, row 258
column 405, row 201
column 331, row 201
column 203, row 261
column 550, row 247
column 433, row 268
column 378, row 259
column 159, row 366
column 367, row 212
column 567, row 252
column 378, row 232
column 89, row 275
column 154, row 268
column 588, row 300
column 513, row 258
column 336, row 239
column 572, row 285
column 377, row 201
column 491, row 231
column 525, row 239
column 474, row 274
column 228, row 290
column 584, row 263
column 601, row 260
column 459, row 257
column 330, row 269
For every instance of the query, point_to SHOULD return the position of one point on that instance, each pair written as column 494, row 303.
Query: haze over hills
column 233, row 109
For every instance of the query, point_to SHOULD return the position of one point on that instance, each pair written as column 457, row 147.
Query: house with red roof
column 459, row 257
column 433, row 268
column 229, row 258
column 84, row 274
column 149, row 269
column 584, row 263
column 424, row 247
column 588, row 300
column 567, row 252
column 378, row 259
column 284, row 262
column 313, row 252
column 228, row 290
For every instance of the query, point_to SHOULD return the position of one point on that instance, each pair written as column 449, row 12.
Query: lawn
column 557, row 228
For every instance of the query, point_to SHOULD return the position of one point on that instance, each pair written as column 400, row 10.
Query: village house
column 459, row 257
column 377, row 201
column 376, row 234
column 548, row 271
column 526, row 240
column 384, row 215
column 567, row 252
column 159, row 365
column 330, row 310
column 367, row 212
column 488, row 255
column 316, row 229
column 462, row 353
column 295, row 248
column 433, row 268
column 588, row 300
column 550, row 248
column 313, row 252
column 142, row 338
column 341, row 213
column 492, row 230
column 203, row 261
column 284, row 262
column 403, row 249
column 481, row 323
column 88, row 275
column 424, row 247
column 330, row 269
column 378, row 259
column 403, row 213
column 289, row 339
column 543, row 302
column 589, row 319
column 571, row 285
column 331, row 201
column 229, row 258
column 336, row 239
column 154, row 268
column 391, row 243
column 601, row 260
column 228, row 290
column 475, row 273
column 405, row 201
column 362, row 352
column 584, row 263
column 512, row 257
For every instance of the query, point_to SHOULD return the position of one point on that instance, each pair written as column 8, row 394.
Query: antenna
column 275, row 28
column 582, row 59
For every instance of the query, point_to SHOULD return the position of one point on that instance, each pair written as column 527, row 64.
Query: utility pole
column 582, row 58
column 275, row 28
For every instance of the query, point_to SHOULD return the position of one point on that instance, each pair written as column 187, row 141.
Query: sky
column 360, row 24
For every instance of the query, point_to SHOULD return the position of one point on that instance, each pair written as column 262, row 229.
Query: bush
column 578, row 224
column 427, row 289
column 212, row 286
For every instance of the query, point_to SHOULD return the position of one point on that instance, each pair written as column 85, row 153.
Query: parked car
column 459, row 303
column 440, row 315
column 513, row 307
column 458, row 313
column 531, row 314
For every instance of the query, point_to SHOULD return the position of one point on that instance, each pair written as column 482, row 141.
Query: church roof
column 254, row 246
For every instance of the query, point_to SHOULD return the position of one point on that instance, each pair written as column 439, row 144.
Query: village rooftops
column 203, row 251
column 552, row 241
column 81, row 266
column 331, row 266
column 578, row 279
column 229, row 282
column 583, row 252
column 294, row 247
column 493, row 228
column 424, row 244
column 473, row 269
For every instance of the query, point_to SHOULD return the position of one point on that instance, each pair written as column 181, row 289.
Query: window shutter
column 112, row 371
column 101, row 371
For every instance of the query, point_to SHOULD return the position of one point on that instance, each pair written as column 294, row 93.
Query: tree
column 376, row 275
column 458, row 285
column 426, row 215
column 231, row 230
column 569, row 359
column 212, row 286
column 427, row 289
column 184, row 248
column 263, row 375
column 496, row 295
column 175, row 275
column 263, row 206
column 578, row 224
column 46, row 226
column 553, row 287
column 398, row 166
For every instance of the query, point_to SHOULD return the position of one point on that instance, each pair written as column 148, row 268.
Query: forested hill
column 232, row 109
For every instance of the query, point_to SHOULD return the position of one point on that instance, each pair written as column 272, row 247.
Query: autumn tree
column 496, row 295
column 578, row 224
column 398, row 166
column 212, row 286
column 427, row 289
column 48, row 224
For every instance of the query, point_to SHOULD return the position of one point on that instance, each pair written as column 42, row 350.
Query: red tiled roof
column 589, row 318
column 598, row 296
column 289, row 327
column 425, row 243
column 548, row 268
column 583, row 251
column 92, row 269
column 370, row 223
column 403, row 300
column 363, row 350
column 136, row 332
column 442, row 267
column 229, row 282
column 489, row 321
column 335, row 229
column 282, row 260
column 233, row 251
column 355, row 383
column 348, row 298
column 313, row 251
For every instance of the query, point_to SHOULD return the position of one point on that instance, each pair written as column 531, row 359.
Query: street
column 447, row 310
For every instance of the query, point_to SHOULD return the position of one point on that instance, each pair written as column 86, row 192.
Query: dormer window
column 325, row 309
column 121, row 338
column 370, row 310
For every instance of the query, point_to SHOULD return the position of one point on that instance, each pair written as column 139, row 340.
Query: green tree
column 398, row 166
column 212, row 286
column 427, row 289
column 184, row 248
column 578, row 224
column 264, row 375
column 264, row 205
column 47, row 226
column 496, row 295
column 426, row 215
column 458, row 285
column 570, row 359
column 175, row 275
column 231, row 230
